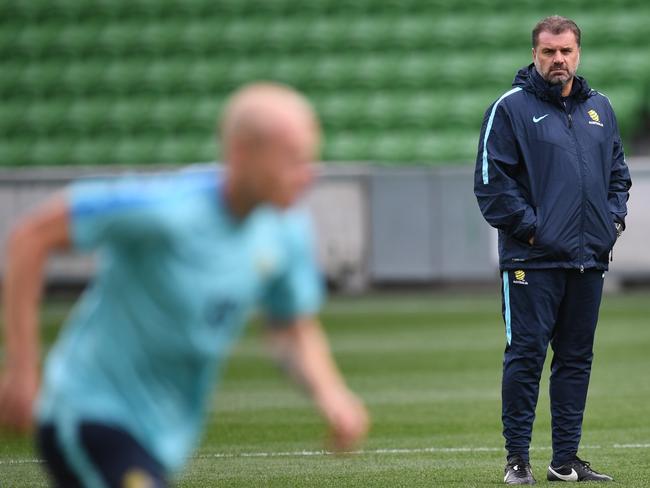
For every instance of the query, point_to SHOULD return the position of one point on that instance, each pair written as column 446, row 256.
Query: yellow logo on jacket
column 595, row 118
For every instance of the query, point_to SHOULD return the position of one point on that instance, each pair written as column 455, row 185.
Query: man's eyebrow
column 552, row 48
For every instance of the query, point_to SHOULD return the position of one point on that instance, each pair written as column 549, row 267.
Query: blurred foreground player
column 184, row 257
column 551, row 176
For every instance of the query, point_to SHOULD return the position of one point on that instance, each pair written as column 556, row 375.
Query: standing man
column 551, row 177
column 184, row 257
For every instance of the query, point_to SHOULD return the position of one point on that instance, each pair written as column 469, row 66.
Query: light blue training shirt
column 177, row 278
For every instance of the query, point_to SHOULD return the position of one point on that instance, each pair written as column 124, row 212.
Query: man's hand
column 531, row 241
column 303, row 351
column 18, row 390
column 347, row 418
column 619, row 229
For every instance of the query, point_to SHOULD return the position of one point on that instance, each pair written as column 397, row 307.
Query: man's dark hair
column 555, row 24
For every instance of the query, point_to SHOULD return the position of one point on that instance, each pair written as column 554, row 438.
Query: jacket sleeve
column 497, row 191
column 619, row 181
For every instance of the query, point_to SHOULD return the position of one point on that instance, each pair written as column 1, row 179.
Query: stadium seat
column 129, row 116
column 14, row 152
column 76, row 41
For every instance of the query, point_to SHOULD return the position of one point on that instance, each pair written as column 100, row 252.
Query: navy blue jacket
column 554, row 169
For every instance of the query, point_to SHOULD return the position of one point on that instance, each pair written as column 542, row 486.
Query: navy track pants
column 115, row 457
column 559, row 307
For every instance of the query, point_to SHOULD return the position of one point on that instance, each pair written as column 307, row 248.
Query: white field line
column 360, row 452
column 393, row 451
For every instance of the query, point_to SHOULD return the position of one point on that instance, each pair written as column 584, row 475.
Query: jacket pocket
column 538, row 237
column 613, row 233
column 600, row 233
column 540, row 248
column 550, row 243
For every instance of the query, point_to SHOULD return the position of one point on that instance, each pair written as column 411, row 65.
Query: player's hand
column 18, row 392
column 531, row 241
column 347, row 417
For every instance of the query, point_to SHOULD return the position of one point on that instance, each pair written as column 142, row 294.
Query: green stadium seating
column 141, row 81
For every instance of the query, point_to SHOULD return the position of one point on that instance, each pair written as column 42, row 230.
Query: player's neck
column 237, row 202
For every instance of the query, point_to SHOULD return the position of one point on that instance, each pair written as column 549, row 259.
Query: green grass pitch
column 429, row 367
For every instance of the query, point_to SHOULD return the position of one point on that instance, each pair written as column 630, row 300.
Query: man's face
column 284, row 164
column 556, row 56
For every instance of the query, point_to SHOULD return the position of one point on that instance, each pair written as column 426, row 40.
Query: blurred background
column 99, row 86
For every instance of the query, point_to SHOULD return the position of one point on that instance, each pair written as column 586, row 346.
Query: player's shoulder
column 600, row 98
column 147, row 194
column 183, row 182
column 293, row 226
column 515, row 94
column 137, row 190
column 509, row 101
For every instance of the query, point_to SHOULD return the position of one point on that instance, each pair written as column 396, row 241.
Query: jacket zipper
column 582, row 189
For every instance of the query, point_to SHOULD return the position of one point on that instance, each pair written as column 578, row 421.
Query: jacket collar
column 530, row 80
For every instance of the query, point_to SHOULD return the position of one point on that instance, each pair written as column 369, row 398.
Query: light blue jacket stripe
column 68, row 433
column 506, row 301
column 488, row 129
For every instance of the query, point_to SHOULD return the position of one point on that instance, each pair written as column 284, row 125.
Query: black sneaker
column 518, row 472
column 576, row 470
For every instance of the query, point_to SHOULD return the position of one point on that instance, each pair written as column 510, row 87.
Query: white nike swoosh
column 537, row 119
column 573, row 476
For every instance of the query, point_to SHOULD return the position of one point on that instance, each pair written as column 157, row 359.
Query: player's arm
column 500, row 198
column 619, row 182
column 31, row 241
column 303, row 351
